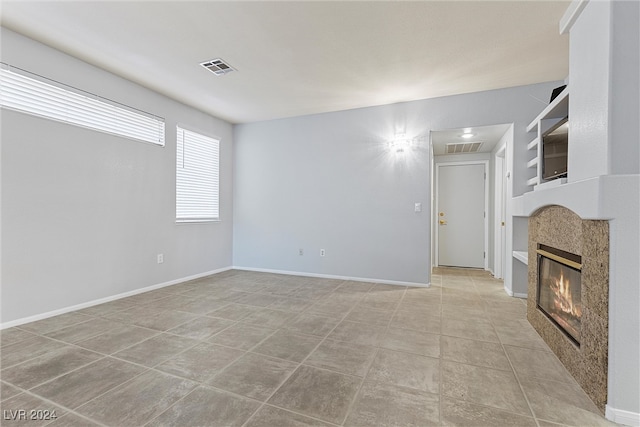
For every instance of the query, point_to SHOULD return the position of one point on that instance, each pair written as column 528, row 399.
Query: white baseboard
column 64, row 310
column 514, row 294
column 620, row 416
column 330, row 276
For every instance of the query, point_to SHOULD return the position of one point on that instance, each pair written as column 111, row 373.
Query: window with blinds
column 197, row 177
column 32, row 94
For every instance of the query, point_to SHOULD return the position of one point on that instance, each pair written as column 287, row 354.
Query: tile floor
column 256, row 349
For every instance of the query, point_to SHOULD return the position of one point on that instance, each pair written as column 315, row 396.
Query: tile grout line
column 223, row 369
column 300, row 363
column 440, row 363
column 104, row 356
column 74, row 410
column 199, row 384
column 67, row 409
column 325, row 338
column 308, row 355
column 484, row 309
column 168, row 408
column 373, row 361
column 513, row 371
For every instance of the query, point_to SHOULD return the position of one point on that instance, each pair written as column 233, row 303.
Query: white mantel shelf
column 602, row 197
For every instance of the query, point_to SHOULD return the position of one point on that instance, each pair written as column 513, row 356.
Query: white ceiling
column 488, row 135
column 296, row 58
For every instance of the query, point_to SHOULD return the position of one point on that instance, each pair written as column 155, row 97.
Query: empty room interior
column 349, row 213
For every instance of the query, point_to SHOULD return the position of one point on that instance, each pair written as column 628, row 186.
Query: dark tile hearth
column 252, row 349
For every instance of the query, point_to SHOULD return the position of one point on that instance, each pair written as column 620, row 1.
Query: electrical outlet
column 321, row 252
column 301, row 251
column 160, row 258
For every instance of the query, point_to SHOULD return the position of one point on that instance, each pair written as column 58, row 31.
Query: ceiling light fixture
column 467, row 135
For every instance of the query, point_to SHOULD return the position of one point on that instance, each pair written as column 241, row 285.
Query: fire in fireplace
column 559, row 289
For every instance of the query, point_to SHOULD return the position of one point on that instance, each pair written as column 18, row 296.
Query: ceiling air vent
column 463, row 147
column 217, row 67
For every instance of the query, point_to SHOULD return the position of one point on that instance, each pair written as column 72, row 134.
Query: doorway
column 461, row 214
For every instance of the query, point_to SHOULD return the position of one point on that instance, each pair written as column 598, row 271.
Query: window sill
column 196, row 221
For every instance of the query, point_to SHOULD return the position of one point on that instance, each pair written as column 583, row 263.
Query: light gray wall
column 329, row 181
column 605, row 91
column 624, row 316
column 84, row 214
column 625, row 88
column 589, row 96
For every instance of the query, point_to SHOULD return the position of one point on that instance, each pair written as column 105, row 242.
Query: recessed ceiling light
column 468, row 135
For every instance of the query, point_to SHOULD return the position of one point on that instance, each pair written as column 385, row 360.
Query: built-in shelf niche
column 522, row 256
column 555, row 111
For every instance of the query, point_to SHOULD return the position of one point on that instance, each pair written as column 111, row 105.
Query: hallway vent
column 218, row 67
column 463, row 147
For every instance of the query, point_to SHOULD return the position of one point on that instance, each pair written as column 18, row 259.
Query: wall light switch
column 418, row 207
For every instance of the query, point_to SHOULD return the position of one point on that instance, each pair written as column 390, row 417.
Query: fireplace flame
column 563, row 300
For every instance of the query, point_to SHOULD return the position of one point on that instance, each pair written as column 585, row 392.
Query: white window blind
column 32, row 94
column 197, row 177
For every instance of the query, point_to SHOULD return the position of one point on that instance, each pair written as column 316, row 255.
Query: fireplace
column 568, row 303
column 559, row 289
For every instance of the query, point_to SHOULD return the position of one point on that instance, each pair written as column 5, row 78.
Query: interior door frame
column 500, row 212
column 485, row 163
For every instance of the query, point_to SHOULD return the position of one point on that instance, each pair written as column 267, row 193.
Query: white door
column 461, row 215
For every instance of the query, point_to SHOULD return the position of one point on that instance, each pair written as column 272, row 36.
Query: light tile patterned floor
column 256, row 349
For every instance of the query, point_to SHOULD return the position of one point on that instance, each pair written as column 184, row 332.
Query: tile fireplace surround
column 561, row 228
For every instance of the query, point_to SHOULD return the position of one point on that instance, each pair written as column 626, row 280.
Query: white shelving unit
column 534, row 163
column 531, row 171
column 556, row 110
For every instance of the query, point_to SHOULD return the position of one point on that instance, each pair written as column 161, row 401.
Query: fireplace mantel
column 601, row 197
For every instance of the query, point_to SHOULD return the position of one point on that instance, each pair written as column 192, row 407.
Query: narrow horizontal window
column 36, row 95
column 197, row 177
